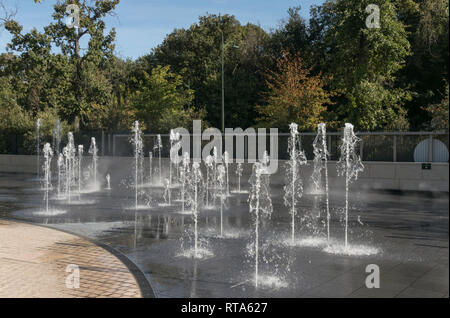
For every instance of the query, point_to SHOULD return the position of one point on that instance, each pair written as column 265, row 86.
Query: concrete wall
column 376, row 175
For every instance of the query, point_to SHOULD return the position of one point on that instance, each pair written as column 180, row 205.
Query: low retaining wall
column 376, row 175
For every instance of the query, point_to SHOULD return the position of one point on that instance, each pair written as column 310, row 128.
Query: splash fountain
column 209, row 167
column 239, row 171
column 48, row 154
column 321, row 164
column 349, row 166
column 194, row 189
column 221, row 190
column 158, row 146
column 136, row 140
column 80, row 157
column 150, row 166
column 226, row 162
column 70, row 161
column 57, row 136
column 93, row 150
column 174, row 141
column 196, row 179
column 108, row 182
column 293, row 190
column 183, row 176
column 260, row 206
column 60, row 169
column 216, row 161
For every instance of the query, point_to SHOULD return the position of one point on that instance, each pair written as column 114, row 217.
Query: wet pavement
column 404, row 234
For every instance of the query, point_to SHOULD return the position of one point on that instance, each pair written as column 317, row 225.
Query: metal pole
column 223, row 88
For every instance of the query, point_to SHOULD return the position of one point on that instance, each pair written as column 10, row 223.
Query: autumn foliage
column 294, row 95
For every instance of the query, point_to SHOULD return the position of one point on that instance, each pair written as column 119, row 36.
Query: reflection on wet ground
column 408, row 232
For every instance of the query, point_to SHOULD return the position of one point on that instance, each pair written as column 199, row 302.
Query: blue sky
column 143, row 24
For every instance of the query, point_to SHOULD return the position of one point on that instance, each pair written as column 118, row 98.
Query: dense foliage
column 330, row 68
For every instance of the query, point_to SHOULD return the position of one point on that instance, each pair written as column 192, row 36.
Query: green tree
column 14, row 120
column 293, row 36
column 195, row 53
column 163, row 103
column 439, row 113
column 364, row 62
column 88, row 83
column 426, row 70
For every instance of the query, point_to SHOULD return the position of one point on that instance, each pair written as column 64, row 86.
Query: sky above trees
column 143, row 24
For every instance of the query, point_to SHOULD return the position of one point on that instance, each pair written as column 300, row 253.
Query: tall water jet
column 150, row 166
column 209, row 167
column 293, row 190
column 70, row 159
column 265, row 160
column 195, row 181
column 260, row 205
column 226, row 161
column 321, row 164
column 183, row 175
column 138, row 147
column 221, row 179
column 60, row 169
column 158, row 146
column 174, row 139
column 167, row 193
column 349, row 165
column 214, row 171
column 108, row 182
column 65, row 153
column 93, row 150
column 57, row 136
column 38, row 146
column 239, row 171
column 80, row 157
column 48, row 154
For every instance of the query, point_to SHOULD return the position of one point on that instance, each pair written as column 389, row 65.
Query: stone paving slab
column 34, row 259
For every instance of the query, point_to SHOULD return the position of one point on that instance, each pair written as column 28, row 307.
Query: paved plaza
column 34, row 259
column 408, row 232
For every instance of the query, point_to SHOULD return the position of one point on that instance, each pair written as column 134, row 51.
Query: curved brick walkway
column 34, row 259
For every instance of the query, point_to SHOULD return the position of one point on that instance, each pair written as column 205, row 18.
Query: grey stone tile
column 374, row 293
column 419, row 293
column 435, row 285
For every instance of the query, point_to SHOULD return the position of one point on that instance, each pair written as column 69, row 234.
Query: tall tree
column 364, row 61
column 195, row 53
column 426, row 71
column 292, row 35
column 163, row 103
column 89, row 86
column 294, row 95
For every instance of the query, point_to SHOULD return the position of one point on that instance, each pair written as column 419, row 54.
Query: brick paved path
column 34, row 259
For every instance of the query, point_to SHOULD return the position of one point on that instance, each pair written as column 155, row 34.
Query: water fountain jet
column 48, row 154
column 93, row 150
column 321, row 164
column 293, row 190
column 136, row 140
column 349, row 166
column 260, row 206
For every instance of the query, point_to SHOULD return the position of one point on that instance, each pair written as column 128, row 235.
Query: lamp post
column 223, row 87
column 224, row 45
